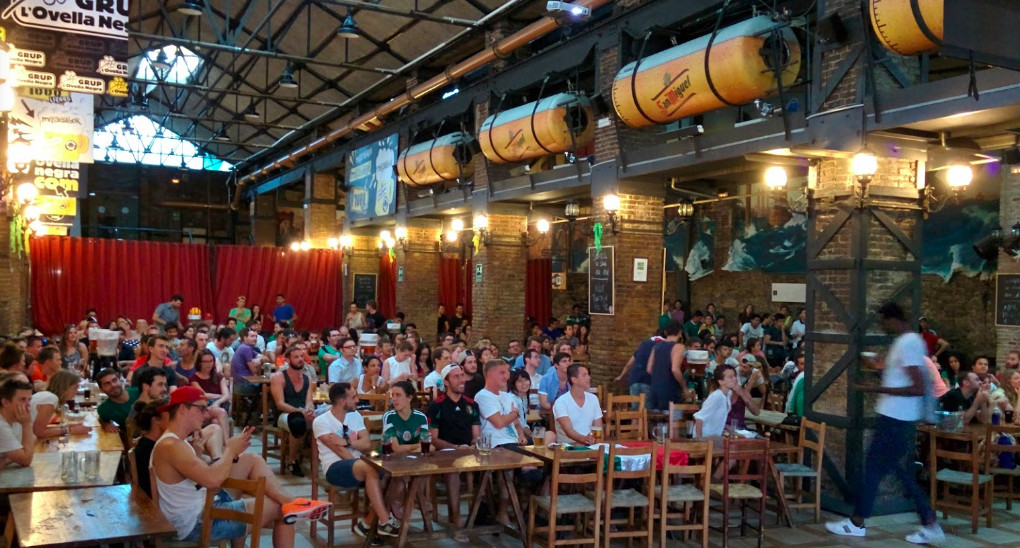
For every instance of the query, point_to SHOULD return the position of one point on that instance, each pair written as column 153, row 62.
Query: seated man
column 969, row 398
column 151, row 424
column 113, row 412
column 555, row 383
column 499, row 417
column 577, row 411
column 17, row 441
column 453, row 424
column 292, row 393
column 341, row 437
column 182, row 479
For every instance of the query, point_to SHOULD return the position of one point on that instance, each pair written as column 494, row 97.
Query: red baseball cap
column 184, row 394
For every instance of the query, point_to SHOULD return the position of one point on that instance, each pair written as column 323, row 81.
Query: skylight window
column 172, row 64
column 139, row 140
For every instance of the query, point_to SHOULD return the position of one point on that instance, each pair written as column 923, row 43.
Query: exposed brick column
column 14, row 284
column 418, row 294
column 1009, row 213
column 320, row 208
column 636, row 304
column 362, row 259
column 497, row 302
column 262, row 213
column 855, row 264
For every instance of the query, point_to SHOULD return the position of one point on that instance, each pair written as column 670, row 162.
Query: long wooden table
column 97, row 440
column 419, row 469
column 85, row 517
column 44, row 474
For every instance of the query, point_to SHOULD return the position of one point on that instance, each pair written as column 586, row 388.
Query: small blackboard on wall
column 601, row 287
column 1007, row 299
column 364, row 289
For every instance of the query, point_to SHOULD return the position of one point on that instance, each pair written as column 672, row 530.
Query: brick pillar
column 262, row 213
column 497, row 302
column 362, row 259
column 1008, row 337
column 418, row 293
column 320, row 208
column 14, row 284
column 858, row 259
column 636, row 304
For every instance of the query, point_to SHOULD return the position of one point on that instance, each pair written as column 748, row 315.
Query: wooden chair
column 808, row 467
column 346, row 502
column 774, row 401
column 379, row 401
column 678, row 418
column 630, row 499
column 745, row 464
column 281, row 438
column 692, row 496
column 556, row 504
column 133, row 467
column 993, row 450
column 956, row 463
column 254, row 488
column 625, row 421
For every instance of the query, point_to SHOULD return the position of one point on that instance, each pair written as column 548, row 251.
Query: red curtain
column 538, row 291
column 454, row 284
column 387, row 286
column 114, row 277
column 310, row 281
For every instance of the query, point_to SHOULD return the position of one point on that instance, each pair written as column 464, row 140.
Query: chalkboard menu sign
column 1007, row 299
column 364, row 289
column 601, row 290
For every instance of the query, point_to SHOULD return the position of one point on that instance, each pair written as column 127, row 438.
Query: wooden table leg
column 409, row 500
column 477, row 502
column 508, row 484
column 780, row 492
column 423, row 505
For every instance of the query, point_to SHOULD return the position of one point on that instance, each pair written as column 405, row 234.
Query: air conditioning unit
column 789, row 293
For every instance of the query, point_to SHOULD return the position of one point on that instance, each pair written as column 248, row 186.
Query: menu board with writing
column 1007, row 299
column 364, row 289
column 601, row 289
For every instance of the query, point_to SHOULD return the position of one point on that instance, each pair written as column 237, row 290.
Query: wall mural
column 675, row 238
column 579, row 241
column 948, row 238
column 701, row 259
column 772, row 241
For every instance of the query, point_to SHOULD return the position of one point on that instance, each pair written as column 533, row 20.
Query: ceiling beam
column 413, row 14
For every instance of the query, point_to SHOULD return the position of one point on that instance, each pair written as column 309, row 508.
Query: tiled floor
column 884, row 531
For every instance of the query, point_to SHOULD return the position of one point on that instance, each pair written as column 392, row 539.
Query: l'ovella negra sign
column 92, row 17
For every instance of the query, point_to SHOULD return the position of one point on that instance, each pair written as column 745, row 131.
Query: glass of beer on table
column 596, row 433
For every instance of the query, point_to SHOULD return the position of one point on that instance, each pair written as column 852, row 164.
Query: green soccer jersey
column 406, row 431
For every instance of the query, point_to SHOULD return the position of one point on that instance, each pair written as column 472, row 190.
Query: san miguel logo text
column 674, row 94
column 107, row 18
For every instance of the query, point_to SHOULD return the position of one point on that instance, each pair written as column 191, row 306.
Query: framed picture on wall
column 640, row 269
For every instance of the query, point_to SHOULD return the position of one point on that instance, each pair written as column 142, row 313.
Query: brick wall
column 636, row 305
column 14, row 289
column 363, row 260
column 962, row 312
column 418, row 295
column 1009, row 212
column 575, row 293
column 320, row 218
column 846, row 92
column 617, row 136
column 497, row 302
column 263, row 220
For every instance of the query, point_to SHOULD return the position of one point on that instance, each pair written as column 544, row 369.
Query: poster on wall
column 58, row 128
column 58, row 184
column 372, row 180
column 69, row 46
column 948, row 236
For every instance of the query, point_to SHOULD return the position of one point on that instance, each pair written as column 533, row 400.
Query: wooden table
column 419, row 469
column 98, row 440
column 85, row 517
column 44, row 474
column 545, row 453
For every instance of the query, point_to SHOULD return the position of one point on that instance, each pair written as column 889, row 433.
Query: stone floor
column 884, row 531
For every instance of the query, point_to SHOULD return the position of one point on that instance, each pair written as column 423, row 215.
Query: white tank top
column 180, row 502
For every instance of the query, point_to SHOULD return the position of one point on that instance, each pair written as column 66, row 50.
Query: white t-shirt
column 42, row 398
column 713, row 413
column 581, row 418
column 10, row 436
column 220, row 359
column 327, row 423
column 398, row 368
column 797, row 331
column 756, row 332
column 908, row 350
column 433, row 379
column 490, row 404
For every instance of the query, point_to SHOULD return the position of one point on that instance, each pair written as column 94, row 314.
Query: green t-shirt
column 110, row 410
column 323, row 364
column 242, row 315
column 406, row 431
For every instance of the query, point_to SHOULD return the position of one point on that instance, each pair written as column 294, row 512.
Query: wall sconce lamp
column 386, row 242
column 572, row 211
column 685, row 210
column 542, row 226
column 611, row 203
column 346, row 244
column 958, row 177
column 300, row 246
column 863, row 167
column 481, row 226
column 333, row 243
column 401, row 234
column 775, row 178
column 988, row 247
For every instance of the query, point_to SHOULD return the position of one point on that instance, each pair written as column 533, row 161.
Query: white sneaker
column 845, row 528
column 927, row 534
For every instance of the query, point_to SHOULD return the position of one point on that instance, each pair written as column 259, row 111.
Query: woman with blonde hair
column 61, row 388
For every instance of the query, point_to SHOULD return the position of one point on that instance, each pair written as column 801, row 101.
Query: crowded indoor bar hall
column 443, row 273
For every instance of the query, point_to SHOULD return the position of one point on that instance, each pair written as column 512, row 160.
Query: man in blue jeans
column 892, row 448
column 637, row 376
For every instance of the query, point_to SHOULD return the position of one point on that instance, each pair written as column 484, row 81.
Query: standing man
column 375, row 322
column 241, row 313
column 899, row 409
column 284, row 312
column 639, row 380
column 345, row 367
column 453, row 424
column 17, row 441
column 168, row 312
column 664, row 368
column 458, row 319
column 293, row 398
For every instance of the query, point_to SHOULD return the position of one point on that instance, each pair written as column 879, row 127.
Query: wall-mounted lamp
column 685, row 210
column 572, row 211
column 386, row 242
column 958, row 177
column 346, row 244
column 988, row 247
column 333, row 243
column 401, row 233
column 611, row 203
column 775, row 178
column 542, row 226
column 481, row 226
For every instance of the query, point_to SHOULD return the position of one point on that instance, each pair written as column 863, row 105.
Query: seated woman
column 151, row 424
column 61, row 387
column 710, row 420
column 405, row 425
column 370, row 381
column 215, row 386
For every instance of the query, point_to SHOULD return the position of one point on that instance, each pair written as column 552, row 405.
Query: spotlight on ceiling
column 560, row 9
column 250, row 113
column 287, row 78
column 349, row 28
column 191, row 8
column 221, row 135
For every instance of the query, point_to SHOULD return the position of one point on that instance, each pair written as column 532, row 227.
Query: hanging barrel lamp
column 555, row 124
column 443, row 159
column 734, row 66
column 907, row 27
